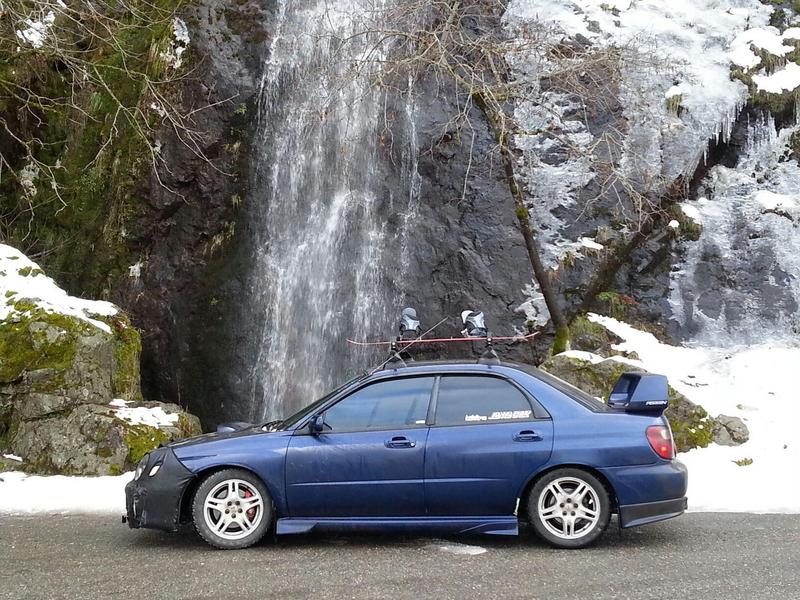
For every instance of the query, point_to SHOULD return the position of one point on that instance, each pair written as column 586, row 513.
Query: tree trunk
column 497, row 122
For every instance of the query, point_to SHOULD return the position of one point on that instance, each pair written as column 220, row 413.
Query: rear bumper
column 634, row 515
column 649, row 493
column 155, row 502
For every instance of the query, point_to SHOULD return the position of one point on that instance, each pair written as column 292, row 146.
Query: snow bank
column 755, row 383
column 21, row 493
column 22, row 279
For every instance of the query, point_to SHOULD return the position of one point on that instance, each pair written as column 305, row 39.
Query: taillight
column 660, row 438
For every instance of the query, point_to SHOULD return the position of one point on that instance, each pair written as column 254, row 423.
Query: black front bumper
column 155, row 502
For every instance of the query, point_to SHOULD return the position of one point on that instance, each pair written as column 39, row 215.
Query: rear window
column 576, row 394
column 475, row 400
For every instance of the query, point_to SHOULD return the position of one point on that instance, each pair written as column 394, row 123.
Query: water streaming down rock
column 740, row 283
column 330, row 223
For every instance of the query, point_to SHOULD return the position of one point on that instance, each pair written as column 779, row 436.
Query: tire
column 562, row 519
column 247, row 502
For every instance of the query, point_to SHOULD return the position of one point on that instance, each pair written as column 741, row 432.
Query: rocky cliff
column 650, row 139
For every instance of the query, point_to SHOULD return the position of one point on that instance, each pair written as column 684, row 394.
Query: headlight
column 141, row 466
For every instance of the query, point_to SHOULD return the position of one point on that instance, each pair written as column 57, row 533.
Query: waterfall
column 328, row 222
column 740, row 282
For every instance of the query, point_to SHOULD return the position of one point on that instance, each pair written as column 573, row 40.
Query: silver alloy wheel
column 233, row 509
column 569, row 508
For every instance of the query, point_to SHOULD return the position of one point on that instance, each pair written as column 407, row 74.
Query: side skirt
column 485, row 525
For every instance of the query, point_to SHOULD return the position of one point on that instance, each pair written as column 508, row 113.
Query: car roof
column 433, row 366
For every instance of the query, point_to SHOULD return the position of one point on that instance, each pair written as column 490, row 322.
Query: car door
column 369, row 460
column 487, row 438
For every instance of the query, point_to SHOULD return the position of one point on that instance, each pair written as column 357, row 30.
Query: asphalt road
column 704, row 556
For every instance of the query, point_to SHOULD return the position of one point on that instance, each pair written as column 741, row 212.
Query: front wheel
column 569, row 508
column 232, row 509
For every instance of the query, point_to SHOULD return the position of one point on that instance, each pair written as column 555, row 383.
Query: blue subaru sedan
column 444, row 447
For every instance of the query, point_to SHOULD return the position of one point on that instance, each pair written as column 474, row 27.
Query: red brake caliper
column 252, row 512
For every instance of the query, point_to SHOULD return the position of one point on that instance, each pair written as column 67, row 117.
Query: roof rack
column 475, row 330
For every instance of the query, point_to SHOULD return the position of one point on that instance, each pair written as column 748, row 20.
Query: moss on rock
column 36, row 340
column 141, row 439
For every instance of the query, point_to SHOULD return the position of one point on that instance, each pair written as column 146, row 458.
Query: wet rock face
column 467, row 250
column 191, row 238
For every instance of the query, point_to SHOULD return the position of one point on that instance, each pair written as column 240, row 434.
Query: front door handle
column 400, row 441
column 527, row 435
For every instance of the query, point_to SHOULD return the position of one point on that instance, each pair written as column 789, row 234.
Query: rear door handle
column 400, row 441
column 527, row 435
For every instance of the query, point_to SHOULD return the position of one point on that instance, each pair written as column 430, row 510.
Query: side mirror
column 316, row 425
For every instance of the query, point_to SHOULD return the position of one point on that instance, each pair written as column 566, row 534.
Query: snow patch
column 756, row 383
column 588, row 242
column 785, row 80
column 13, row 457
column 676, row 90
column 141, row 415
column 589, row 357
column 23, row 493
column 673, row 224
column 456, row 548
column 22, row 279
column 768, row 39
column 173, row 56
column 691, row 212
column 135, row 270
column 771, row 200
column 36, row 30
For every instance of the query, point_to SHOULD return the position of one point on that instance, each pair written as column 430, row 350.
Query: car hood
column 217, row 436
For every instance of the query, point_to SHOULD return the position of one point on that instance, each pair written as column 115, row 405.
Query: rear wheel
column 569, row 508
column 232, row 509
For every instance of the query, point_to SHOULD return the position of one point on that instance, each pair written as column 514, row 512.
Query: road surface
column 703, row 556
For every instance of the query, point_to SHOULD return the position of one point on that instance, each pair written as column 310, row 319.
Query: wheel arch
column 205, row 473
column 523, row 504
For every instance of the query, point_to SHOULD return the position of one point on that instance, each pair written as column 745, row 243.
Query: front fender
column 262, row 454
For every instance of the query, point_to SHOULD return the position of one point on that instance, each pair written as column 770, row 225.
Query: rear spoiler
column 640, row 393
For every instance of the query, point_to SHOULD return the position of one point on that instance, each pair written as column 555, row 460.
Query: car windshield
column 290, row 422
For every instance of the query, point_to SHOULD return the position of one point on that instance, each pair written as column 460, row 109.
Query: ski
column 492, row 338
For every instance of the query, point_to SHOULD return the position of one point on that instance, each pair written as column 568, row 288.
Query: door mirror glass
column 317, row 424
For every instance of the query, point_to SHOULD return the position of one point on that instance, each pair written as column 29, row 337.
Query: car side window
column 392, row 404
column 472, row 400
